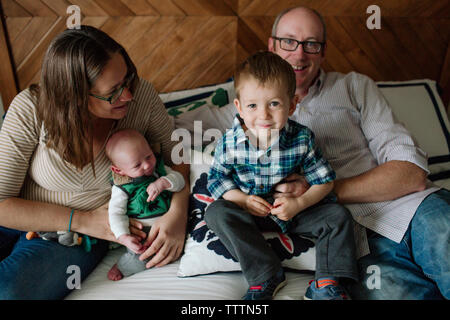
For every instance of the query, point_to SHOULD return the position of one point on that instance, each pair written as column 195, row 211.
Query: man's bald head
column 301, row 10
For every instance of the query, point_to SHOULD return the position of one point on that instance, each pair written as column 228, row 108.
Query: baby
column 142, row 187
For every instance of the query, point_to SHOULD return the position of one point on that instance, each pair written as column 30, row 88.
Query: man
column 403, row 220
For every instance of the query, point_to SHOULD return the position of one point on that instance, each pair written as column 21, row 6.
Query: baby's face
column 135, row 159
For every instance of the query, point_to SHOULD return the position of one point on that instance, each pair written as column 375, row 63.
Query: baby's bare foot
column 114, row 274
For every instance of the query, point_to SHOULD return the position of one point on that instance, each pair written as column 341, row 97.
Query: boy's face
column 135, row 159
column 264, row 107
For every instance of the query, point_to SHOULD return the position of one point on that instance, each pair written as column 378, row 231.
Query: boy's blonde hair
column 265, row 67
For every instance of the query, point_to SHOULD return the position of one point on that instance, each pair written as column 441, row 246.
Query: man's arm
column 402, row 165
column 388, row 181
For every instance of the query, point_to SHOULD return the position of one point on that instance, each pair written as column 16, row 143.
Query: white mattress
column 163, row 284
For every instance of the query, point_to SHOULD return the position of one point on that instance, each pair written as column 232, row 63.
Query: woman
column 54, row 171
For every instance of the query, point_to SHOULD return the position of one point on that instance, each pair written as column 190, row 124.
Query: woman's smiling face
column 110, row 80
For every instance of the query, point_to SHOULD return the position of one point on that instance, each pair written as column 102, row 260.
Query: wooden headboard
column 179, row 44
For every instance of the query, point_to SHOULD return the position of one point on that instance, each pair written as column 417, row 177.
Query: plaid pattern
column 240, row 165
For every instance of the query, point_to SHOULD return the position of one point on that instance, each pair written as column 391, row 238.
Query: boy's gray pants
column 330, row 224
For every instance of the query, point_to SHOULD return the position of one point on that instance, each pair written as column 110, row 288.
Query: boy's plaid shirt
column 238, row 164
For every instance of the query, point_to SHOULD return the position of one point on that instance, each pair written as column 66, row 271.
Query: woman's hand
column 95, row 223
column 166, row 239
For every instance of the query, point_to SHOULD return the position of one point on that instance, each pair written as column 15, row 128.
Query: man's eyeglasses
column 117, row 93
column 292, row 45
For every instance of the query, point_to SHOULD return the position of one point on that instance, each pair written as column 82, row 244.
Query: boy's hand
column 286, row 208
column 155, row 188
column 257, row 206
column 131, row 242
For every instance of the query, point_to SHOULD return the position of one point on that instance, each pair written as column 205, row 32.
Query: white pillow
column 177, row 98
column 417, row 105
column 212, row 105
column 444, row 183
column 204, row 253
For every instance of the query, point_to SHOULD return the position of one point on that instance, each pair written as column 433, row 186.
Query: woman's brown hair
column 71, row 65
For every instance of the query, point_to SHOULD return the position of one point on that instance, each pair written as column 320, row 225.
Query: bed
column 205, row 272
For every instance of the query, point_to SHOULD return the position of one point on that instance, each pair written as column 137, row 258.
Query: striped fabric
column 356, row 131
column 240, row 165
column 30, row 170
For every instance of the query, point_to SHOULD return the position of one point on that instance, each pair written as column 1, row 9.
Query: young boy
column 260, row 150
column 141, row 191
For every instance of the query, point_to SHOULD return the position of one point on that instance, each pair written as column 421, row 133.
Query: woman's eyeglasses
column 117, row 93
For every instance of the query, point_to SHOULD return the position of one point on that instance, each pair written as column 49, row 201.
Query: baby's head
column 265, row 90
column 130, row 154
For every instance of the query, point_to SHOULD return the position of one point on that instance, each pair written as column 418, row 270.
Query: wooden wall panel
column 179, row 44
column 8, row 86
column 346, row 8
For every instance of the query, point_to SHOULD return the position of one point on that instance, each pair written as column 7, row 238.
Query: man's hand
column 292, row 187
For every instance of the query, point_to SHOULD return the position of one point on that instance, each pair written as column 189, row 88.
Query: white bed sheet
column 163, row 284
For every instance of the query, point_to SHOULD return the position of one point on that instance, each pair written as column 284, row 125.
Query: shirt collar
column 316, row 87
column 238, row 131
column 318, row 83
column 320, row 80
column 240, row 136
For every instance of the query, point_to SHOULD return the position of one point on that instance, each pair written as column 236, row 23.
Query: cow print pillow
column 204, row 253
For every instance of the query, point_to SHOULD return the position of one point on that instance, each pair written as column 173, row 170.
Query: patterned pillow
column 204, row 253
column 213, row 105
column 178, row 99
column 200, row 109
column 217, row 98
